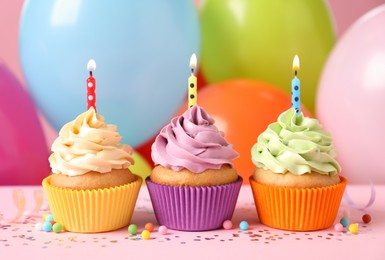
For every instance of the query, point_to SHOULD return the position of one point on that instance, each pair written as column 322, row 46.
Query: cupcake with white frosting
column 296, row 184
column 91, row 188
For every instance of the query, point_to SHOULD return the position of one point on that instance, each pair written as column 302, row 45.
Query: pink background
column 345, row 12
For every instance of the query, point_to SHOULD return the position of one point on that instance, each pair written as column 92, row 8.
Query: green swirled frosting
column 295, row 144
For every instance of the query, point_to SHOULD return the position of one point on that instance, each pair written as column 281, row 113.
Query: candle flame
column 193, row 61
column 296, row 63
column 91, row 65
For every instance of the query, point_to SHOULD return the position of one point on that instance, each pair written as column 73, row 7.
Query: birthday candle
column 91, row 85
column 296, row 87
column 192, row 82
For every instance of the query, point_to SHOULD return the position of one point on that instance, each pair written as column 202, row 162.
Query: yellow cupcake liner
column 92, row 211
column 297, row 209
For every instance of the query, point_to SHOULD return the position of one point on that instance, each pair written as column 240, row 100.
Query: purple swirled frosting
column 192, row 141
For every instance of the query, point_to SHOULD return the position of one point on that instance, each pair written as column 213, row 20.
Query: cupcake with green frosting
column 296, row 184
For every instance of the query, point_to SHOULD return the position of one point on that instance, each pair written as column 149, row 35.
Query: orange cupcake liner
column 92, row 211
column 297, row 209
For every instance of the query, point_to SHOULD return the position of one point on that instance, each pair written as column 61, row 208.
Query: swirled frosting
column 192, row 141
column 295, row 144
column 88, row 144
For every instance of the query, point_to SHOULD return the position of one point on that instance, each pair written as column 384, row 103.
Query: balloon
column 142, row 50
column 243, row 109
column 350, row 99
column 23, row 150
column 141, row 166
column 145, row 149
column 259, row 39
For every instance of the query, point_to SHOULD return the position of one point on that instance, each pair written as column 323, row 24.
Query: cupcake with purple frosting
column 194, row 186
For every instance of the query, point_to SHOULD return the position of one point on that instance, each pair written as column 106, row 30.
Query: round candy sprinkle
column 132, row 229
column 344, row 222
column 149, row 226
column 52, row 222
column 146, row 234
column 338, row 227
column 44, row 216
column 366, row 218
column 163, row 230
column 49, row 218
column 57, row 228
column 346, row 213
column 39, row 226
column 244, row 225
column 227, row 224
column 353, row 228
column 47, row 226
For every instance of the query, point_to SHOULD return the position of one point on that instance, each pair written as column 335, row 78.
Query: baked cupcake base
column 92, row 211
column 297, row 209
column 193, row 208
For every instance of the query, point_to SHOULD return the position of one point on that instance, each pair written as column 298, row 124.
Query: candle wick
column 295, row 72
column 192, row 70
column 91, row 73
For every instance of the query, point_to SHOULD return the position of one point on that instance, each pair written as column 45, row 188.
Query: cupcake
column 296, row 184
column 193, row 186
column 91, row 188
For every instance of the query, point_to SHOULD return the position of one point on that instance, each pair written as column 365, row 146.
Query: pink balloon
column 23, row 150
column 351, row 98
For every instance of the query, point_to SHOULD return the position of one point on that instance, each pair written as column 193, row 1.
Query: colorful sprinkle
column 338, row 227
column 149, row 226
column 227, row 224
column 47, row 226
column 49, row 218
column 366, row 218
column 344, row 222
column 44, row 216
column 39, row 226
column 146, row 234
column 57, row 228
column 353, row 228
column 163, row 230
column 243, row 225
column 132, row 229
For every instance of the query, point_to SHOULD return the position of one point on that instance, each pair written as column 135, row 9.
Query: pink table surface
column 21, row 241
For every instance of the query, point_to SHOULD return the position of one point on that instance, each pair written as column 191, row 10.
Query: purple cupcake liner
column 193, row 208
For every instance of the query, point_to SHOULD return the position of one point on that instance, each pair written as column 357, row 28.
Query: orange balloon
column 243, row 109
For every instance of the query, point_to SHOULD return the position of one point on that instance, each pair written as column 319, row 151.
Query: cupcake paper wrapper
column 297, row 209
column 91, row 211
column 193, row 208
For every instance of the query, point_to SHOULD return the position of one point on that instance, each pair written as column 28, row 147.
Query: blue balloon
column 142, row 50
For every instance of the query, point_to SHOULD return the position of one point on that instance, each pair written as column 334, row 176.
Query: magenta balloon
column 351, row 98
column 23, row 150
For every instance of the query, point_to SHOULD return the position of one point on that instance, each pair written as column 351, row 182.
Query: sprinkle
column 244, row 225
column 344, row 222
column 57, row 228
column 39, row 226
column 227, row 224
column 47, row 226
column 49, row 218
column 338, row 227
column 149, row 226
column 163, row 230
column 353, row 228
column 132, row 229
column 146, row 234
column 366, row 218
column 44, row 216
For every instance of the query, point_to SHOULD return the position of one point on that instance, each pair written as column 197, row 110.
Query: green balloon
column 259, row 38
column 141, row 166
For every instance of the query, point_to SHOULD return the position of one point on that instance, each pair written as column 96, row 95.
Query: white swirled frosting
column 89, row 144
